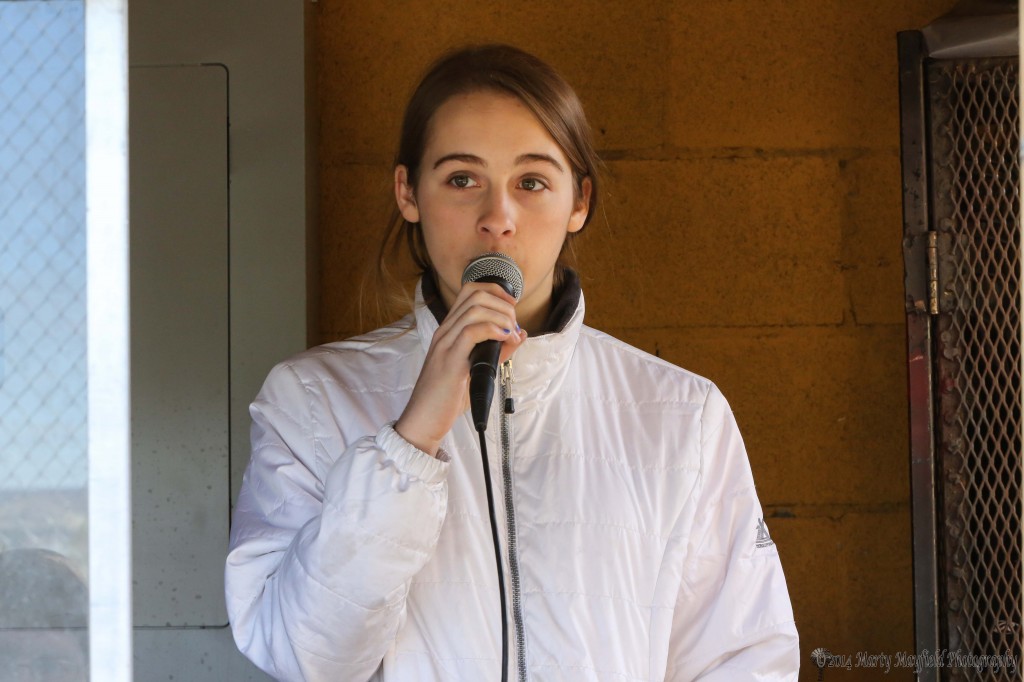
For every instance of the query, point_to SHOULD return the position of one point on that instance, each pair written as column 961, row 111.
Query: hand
column 480, row 312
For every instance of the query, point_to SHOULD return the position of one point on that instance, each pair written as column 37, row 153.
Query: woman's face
column 493, row 179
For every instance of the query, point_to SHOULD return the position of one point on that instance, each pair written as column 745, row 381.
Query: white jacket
column 634, row 543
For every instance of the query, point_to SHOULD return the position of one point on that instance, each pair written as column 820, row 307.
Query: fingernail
column 518, row 328
column 507, row 331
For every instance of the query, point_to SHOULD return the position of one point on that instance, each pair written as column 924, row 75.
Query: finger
column 502, row 317
column 453, row 348
column 482, row 298
column 513, row 344
column 477, row 316
column 459, row 344
column 489, row 287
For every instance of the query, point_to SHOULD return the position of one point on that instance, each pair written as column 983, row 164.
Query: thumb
column 509, row 347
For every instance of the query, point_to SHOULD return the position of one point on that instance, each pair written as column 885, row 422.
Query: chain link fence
column 974, row 118
column 42, row 246
column 43, row 419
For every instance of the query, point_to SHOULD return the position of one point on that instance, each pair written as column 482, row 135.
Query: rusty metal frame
column 958, row 213
column 913, row 112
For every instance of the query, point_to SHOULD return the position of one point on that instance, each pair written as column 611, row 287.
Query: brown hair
column 502, row 69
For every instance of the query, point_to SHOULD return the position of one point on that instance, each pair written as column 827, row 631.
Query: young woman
column 631, row 535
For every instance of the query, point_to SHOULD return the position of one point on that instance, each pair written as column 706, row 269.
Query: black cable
column 497, row 556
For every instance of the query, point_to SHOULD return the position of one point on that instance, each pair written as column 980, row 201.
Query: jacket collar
column 540, row 365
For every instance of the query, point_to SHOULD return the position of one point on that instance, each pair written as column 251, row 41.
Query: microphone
column 499, row 269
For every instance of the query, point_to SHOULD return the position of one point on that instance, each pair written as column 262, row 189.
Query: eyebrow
column 464, row 158
column 527, row 158
column 477, row 161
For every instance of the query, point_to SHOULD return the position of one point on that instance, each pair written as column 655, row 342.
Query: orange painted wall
column 750, row 232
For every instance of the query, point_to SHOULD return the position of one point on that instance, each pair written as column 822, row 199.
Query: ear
column 405, row 196
column 582, row 208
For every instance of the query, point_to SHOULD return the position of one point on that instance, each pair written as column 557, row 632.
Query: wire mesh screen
column 42, row 246
column 43, row 421
column 974, row 143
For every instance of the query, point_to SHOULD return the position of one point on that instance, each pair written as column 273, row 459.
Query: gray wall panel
column 189, row 655
column 178, row 570
column 179, row 330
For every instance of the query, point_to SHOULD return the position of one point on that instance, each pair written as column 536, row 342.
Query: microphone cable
column 497, row 268
column 497, row 554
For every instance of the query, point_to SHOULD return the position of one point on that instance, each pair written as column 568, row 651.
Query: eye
column 461, row 181
column 532, row 184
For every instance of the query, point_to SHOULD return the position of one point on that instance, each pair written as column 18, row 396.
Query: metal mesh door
column 975, row 203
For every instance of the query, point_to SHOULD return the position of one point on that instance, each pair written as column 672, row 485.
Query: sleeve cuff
column 409, row 459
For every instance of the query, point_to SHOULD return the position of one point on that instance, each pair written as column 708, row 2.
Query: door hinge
column 933, row 273
column 926, row 258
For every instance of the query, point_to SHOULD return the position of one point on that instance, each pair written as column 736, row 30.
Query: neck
column 533, row 318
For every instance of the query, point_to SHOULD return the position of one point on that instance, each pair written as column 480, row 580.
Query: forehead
column 491, row 122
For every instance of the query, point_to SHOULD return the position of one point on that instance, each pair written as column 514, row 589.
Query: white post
column 106, row 126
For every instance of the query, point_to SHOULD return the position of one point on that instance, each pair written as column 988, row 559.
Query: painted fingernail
column 507, row 331
column 518, row 329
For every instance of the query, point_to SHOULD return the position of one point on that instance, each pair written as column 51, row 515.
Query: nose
column 497, row 216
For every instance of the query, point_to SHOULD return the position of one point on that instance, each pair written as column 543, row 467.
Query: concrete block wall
column 750, row 232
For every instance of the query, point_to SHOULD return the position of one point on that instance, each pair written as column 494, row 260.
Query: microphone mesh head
column 495, row 265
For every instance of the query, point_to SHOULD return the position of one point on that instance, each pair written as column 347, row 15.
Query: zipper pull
column 506, row 381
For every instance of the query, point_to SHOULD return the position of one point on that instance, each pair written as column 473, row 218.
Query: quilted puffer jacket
column 634, row 545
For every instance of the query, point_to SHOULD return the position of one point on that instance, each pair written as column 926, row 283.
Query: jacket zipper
column 508, row 407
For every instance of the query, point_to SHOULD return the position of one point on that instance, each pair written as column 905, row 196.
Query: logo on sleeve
column 763, row 539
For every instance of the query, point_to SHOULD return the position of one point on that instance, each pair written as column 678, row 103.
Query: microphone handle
column 483, row 368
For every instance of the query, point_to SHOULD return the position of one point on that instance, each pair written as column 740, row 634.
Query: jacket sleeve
column 323, row 546
column 733, row 620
